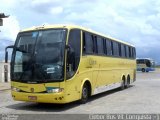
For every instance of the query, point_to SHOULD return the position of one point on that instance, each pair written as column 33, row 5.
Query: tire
column 143, row 70
column 85, row 94
column 127, row 82
column 122, row 85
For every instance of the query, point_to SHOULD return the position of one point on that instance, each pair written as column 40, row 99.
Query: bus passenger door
column 72, row 63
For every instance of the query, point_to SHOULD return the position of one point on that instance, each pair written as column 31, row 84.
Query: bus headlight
column 54, row 90
column 15, row 89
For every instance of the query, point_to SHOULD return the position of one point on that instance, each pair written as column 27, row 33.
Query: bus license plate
column 32, row 97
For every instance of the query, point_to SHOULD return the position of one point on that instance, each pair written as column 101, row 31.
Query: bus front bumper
column 39, row 97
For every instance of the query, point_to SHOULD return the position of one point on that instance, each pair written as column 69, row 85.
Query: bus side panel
column 106, row 72
column 73, row 86
column 111, row 71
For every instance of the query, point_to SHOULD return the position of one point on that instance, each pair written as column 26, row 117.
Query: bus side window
column 95, row 47
column 109, row 48
column 84, row 42
column 115, row 49
column 100, row 48
column 73, row 56
column 120, row 52
column 134, row 53
column 87, row 43
column 112, row 49
column 123, row 53
column 127, row 51
column 105, row 46
column 130, row 52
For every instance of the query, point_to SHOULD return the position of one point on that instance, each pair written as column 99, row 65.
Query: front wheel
column 85, row 94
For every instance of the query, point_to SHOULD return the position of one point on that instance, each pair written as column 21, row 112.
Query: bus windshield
column 152, row 63
column 38, row 56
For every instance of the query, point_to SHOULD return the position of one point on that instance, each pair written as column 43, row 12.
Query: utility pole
column 2, row 15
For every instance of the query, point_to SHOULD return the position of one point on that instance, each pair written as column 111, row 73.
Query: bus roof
column 43, row 27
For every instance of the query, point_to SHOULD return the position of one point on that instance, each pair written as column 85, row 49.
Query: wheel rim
column 85, row 93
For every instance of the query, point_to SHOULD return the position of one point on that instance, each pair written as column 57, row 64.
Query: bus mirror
column 6, row 53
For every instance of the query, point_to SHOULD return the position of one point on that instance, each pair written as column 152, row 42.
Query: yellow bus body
column 102, row 72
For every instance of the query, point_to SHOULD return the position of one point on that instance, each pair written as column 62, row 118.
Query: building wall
column 4, row 72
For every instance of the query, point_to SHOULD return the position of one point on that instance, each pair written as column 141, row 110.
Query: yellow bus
column 65, row 63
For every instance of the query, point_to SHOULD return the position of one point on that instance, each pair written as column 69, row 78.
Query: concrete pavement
column 142, row 97
column 5, row 86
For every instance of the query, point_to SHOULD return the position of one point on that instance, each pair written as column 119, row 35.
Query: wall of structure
column 4, row 72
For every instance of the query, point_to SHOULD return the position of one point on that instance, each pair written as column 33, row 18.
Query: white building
column 4, row 72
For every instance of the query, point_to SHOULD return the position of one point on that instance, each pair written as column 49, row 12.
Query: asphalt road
column 142, row 97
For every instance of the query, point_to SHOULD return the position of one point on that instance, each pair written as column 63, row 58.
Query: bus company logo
column 32, row 90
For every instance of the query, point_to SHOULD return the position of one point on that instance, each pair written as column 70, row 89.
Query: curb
column 5, row 89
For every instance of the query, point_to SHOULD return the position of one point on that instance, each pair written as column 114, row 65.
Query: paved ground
column 4, row 86
column 142, row 97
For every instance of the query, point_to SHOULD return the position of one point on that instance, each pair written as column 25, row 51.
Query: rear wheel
column 123, row 85
column 85, row 94
column 127, row 82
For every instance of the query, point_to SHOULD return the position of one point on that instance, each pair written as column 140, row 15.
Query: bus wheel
column 127, row 82
column 123, row 85
column 143, row 70
column 85, row 94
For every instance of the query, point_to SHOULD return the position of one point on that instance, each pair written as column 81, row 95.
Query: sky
column 133, row 21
